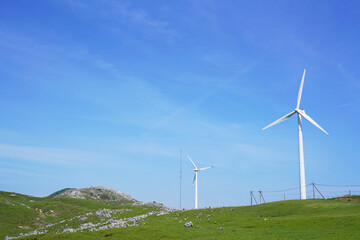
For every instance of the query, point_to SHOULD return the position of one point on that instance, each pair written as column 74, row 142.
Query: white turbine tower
column 300, row 113
column 195, row 178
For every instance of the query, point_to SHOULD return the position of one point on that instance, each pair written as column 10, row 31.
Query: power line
column 326, row 185
column 285, row 190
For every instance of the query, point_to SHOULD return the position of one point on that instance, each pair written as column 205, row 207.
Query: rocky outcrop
column 103, row 194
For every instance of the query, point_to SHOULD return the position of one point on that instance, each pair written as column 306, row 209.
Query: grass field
column 293, row 219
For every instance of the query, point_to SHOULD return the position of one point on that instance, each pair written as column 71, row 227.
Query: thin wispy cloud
column 47, row 155
column 345, row 104
column 354, row 81
column 121, row 13
column 139, row 16
column 7, row 171
column 180, row 111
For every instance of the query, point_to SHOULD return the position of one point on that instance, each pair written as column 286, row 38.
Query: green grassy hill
column 294, row 219
column 23, row 214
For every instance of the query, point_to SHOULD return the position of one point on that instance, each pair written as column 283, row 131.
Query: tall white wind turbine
column 196, row 170
column 300, row 113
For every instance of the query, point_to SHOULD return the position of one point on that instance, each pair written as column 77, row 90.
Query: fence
column 313, row 190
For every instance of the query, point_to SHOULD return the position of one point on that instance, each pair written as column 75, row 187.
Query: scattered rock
column 162, row 213
column 188, row 224
column 221, row 228
column 214, row 222
column 24, row 205
column 69, row 230
column 50, row 225
column 7, row 202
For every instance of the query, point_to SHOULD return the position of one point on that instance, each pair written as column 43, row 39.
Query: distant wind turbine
column 195, row 178
column 300, row 113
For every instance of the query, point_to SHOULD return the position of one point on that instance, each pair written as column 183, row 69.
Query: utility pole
column 349, row 195
column 252, row 197
column 261, row 196
column 313, row 190
column 318, row 191
column 180, row 173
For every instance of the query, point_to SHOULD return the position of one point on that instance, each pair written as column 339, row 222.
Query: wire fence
column 313, row 190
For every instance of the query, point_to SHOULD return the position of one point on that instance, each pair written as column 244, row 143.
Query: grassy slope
column 19, row 219
column 309, row 219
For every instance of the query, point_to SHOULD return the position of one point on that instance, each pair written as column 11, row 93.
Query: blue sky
column 105, row 93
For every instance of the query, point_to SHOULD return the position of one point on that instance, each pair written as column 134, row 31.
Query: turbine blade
column 307, row 117
column 205, row 168
column 280, row 120
column 300, row 90
column 194, row 180
column 191, row 161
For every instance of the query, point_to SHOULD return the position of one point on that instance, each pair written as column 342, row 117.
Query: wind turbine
column 195, row 178
column 300, row 113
